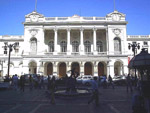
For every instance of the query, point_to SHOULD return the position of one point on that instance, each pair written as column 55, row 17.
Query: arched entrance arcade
column 62, row 69
column 48, row 68
column 100, row 69
column 118, row 68
column 88, row 68
column 76, row 67
column 33, row 67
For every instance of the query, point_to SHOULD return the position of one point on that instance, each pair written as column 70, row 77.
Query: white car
column 85, row 79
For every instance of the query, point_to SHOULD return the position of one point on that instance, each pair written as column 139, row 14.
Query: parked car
column 119, row 80
column 85, row 79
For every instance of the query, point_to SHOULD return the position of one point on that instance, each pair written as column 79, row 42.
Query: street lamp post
column 1, row 62
column 10, row 47
column 134, row 47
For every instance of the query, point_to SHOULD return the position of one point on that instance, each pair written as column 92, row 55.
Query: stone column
column 55, row 41
column 107, row 42
column 94, row 41
column 68, row 68
column 40, row 68
column 95, row 68
column 25, row 67
column 55, row 69
column 111, row 70
column 81, row 42
column 68, row 42
column 108, row 69
column 126, row 69
column 82, row 68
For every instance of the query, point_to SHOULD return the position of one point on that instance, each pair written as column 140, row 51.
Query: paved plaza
column 37, row 101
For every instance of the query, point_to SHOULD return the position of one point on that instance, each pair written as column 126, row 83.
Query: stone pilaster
column 68, row 42
column 81, row 42
column 94, row 41
column 55, row 41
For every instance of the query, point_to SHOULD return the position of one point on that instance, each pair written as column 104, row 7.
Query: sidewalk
column 36, row 101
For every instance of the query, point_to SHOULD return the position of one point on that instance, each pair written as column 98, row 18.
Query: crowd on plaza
column 37, row 82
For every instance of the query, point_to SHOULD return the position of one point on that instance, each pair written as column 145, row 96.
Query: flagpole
column 114, row 5
column 35, row 5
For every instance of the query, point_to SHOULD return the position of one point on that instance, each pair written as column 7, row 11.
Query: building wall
column 110, row 30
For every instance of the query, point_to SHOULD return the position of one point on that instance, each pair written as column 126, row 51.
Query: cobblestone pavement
column 36, row 101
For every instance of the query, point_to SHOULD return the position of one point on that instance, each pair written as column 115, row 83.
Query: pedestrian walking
column 42, row 82
column 30, row 82
column 129, row 83
column 138, row 105
column 15, row 81
column 110, row 81
column 52, row 90
column 22, row 83
column 49, row 82
column 104, row 82
column 95, row 92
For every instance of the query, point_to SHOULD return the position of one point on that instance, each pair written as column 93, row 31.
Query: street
column 111, row 101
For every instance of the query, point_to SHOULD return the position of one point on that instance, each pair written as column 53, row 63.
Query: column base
column 55, row 53
column 95, row 53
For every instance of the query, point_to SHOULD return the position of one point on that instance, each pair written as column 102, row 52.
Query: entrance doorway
column 88, row 69
column 62, row 69
column 49, row 69
column 100, row 69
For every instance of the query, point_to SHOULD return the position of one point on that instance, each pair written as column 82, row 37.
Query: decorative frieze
column 33, row 32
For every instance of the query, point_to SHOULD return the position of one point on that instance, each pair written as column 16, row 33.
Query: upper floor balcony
column 74, row 18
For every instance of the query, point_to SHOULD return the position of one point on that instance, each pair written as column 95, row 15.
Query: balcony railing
column 102, row 53
column 89, row 53
column 138, row 36
column 76, row 18
column 62, row 53
column 49, row 53
column 75, row 53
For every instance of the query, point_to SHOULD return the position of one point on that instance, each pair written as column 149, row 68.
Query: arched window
column 75, row 46
column 33, row 45
column 51, row 46
column 87, row 45
column 99, row 46
column 117, row 45
column 63, row 46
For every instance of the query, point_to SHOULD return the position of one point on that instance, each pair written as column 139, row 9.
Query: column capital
column 55, row 28
column 81, row 28
column 68, row 29
column 106, row 29
column 94, row 29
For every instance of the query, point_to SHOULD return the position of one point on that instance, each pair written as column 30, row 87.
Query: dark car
column 119, row 80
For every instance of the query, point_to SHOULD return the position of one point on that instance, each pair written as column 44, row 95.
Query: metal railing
column 80, row 18
column 138, row 36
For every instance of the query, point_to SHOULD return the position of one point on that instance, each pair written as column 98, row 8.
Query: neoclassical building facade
column 54, row 45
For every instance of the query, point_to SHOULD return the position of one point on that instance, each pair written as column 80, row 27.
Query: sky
column 12, row 12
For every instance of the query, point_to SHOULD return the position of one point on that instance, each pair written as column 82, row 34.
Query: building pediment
column 34, row 13
column 116, row 16
column 75, row 17
column 34, row 16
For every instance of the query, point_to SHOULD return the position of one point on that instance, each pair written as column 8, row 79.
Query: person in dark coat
column 129, row 83
column 52, row 89
column 22, row 83
column 110, row 82
column 95, row 95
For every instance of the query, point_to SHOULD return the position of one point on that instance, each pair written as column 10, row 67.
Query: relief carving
column 117, row 31
column 33, row 32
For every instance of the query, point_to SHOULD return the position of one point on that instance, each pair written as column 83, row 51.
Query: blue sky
column 12, row 12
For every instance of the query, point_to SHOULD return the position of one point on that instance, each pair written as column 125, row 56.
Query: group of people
column 38, row 82
column 16, row 82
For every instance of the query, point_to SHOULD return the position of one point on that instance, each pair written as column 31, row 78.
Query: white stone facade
column 54, row 45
